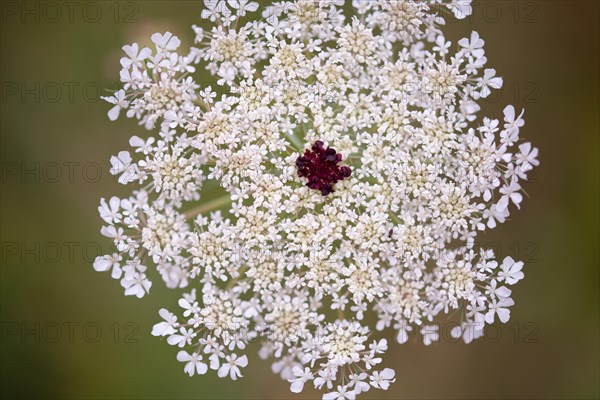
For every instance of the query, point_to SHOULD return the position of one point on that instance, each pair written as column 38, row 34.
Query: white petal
column 503, row 314
column 242, row 361
column 113, row 113
column 183, row 356
column 223, row 371
column 201, row 368
column 297, row 386
column 102, row 264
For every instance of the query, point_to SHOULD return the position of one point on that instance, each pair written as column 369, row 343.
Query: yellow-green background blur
column 547, row 52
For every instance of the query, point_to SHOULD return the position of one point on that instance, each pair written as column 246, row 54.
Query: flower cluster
column 356, row 176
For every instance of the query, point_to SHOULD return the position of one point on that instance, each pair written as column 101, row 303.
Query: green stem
column 211, row 205
column 233, row 281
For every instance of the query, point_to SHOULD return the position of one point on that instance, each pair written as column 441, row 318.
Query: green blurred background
column 53, row 302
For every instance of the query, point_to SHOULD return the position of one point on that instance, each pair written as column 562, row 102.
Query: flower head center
column 320, row 166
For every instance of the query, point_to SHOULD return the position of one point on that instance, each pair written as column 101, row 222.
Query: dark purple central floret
column 321, row 167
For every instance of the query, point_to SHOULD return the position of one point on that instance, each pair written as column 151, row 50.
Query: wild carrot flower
column 357, row 176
